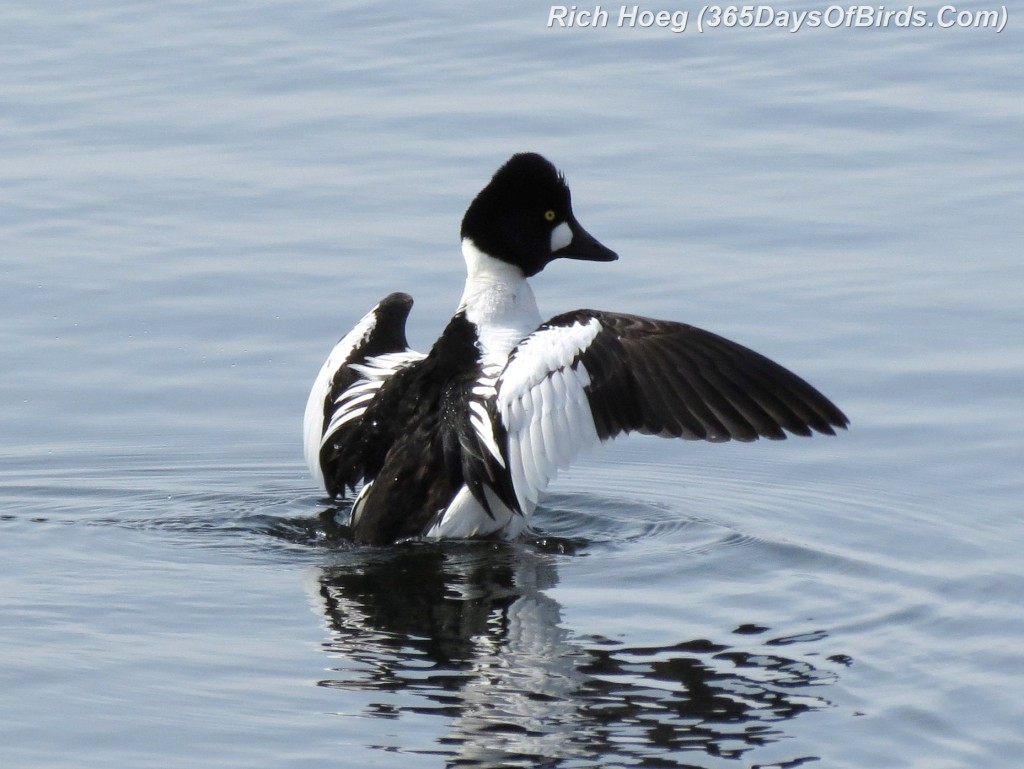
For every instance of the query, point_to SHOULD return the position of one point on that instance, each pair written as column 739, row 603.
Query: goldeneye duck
column 462, row 441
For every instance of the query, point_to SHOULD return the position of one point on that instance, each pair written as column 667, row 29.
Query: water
column 197, row 201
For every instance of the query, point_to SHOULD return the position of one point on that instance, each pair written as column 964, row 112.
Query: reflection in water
column 469, row 632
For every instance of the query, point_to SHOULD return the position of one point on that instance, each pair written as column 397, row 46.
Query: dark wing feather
column 679, row 380
column 587, row 376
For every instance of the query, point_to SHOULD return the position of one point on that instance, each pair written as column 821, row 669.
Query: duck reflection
column 466, row 631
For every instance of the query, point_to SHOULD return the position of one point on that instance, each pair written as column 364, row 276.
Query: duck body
column 461, row 442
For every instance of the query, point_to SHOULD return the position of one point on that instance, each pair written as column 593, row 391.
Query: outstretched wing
column 350, row 378
column 587, row 376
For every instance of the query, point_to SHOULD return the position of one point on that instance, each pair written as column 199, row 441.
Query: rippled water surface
column 197, row 200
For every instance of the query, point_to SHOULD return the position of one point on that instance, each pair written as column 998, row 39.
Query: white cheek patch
column 561, row 236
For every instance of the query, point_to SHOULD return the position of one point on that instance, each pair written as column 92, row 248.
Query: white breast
column 499, row 302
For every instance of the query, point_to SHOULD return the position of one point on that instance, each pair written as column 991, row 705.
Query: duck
column 462, row 441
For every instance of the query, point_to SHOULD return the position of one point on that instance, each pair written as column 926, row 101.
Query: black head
column 524, row 217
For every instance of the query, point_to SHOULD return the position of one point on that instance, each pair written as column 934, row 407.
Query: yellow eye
column 549, row 215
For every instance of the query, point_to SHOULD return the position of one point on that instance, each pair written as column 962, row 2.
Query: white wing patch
column 543, row 404
column 482, row 392
column 313, row 420
column 353, row 402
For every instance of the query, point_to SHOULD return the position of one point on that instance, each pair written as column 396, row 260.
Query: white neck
column 499, row 301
